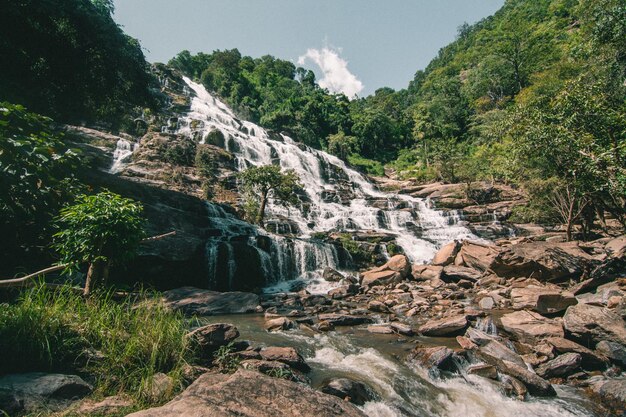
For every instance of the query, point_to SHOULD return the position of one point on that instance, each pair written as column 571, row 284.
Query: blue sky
column 354, row 46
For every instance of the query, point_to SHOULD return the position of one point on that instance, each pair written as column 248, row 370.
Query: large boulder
column 541, row 298
column 356, row 392
column 251, row 394
column 209, row 338
column 590, row 359
column 545, row 261
column 454, row 273
column 447, row 254
column 477, row 255
column 612, row 392
column 395, row 270
column 438, row 357
column 446, row 326
column 529, row 327
column 36, row 390
column 613, row 351
column 592, row 324
column 195, row 301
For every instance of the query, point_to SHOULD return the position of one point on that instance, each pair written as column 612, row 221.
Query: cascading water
column 121, row 155
column 338, row 198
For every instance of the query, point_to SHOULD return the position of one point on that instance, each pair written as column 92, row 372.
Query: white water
column 121, row 155
column 338, row 197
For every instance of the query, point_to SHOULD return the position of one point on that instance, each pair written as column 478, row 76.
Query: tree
column 342, row 145
column 268, row 182
column 101, row 230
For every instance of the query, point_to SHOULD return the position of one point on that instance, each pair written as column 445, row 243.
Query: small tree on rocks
column 100, row 230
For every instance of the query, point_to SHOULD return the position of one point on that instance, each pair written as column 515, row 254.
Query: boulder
column 338, row 319
column 616, row 248
column 287, row 355
column 251, row 394
column 108, row 406
column 210, row 337
column 159, row 388
column 561, row 366
column 493, row 351
column 529, row 327
column 541, row 298
column 195, row 301
column 439, row 357
column 613, row 351
column 395, row 270
column 380, row 329
column 545, row 261
column 444, row 327
column 279, row 323
column 331, row 275
column 591, row 324
column 347, row 389
column 476, row 255
column 484, row 370
column 446, row 255
column 590, row 360
column 36, row 390
column 453, row 273
column 426, row 272
column 612, row 392
column 486, row 303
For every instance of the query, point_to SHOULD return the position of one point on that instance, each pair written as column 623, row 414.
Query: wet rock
column 453, row 273
column 347, row 389
column 514, row 387
column 377, row 306
column 465, row 343
column 287, row 355
column 493, row 352
column 251, row 394
column 380, row 329
column 531, row 327
column 195, row 301
column 543, row 299
column 590, row 359
column 444, row 327
column 561, row 366
column 36, row 390
column 535, row 384
column 274, row 369
column 209, row 338
column 612, row 350
column 403, row 329
column 331, row 275
column 446, row 255
column 311, row 300
column 478, row 336
column 484, row 370
column 337, row 319
column 438, row 357
column 612, row 392
column 395, row 270
column 590, row 324
column 279, row 323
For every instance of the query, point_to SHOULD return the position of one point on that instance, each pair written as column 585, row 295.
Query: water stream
column 403, row 389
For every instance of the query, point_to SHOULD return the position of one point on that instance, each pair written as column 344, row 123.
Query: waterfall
column 122, row 153
column 338, row 198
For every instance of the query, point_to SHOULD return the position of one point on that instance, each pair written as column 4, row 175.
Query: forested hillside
column 69, row 60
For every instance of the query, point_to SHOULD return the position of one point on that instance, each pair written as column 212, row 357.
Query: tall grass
column 117, row 345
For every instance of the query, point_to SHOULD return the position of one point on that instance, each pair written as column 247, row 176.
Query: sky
column 354, row 46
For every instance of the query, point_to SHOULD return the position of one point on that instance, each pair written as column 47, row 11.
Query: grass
column 116, row 345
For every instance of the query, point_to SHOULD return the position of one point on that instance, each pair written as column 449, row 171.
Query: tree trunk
column 570, row 220
column 98, row 271
column 261, row 214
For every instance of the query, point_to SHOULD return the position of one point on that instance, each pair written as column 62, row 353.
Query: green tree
column 342, row 145
column 101, row 230
column 268, row 182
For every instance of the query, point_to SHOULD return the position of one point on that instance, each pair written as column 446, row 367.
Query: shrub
column 181, row 152
column 367, row 165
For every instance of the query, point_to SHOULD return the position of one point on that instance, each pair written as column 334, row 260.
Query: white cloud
column 337, row 78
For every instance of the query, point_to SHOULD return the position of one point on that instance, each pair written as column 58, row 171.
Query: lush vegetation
column 100, row 230
column 262, row 183
column 119, row 345
column 69, row 60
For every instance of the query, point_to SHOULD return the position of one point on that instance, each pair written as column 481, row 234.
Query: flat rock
column 530, row 327
column 540, row 298
column 476, row 255
column 454, row 273
column 591, row 324
column 195, row 301
column 251, row 394
column 445, row 326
